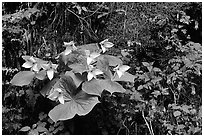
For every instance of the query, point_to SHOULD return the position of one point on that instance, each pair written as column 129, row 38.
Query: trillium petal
column 53, row 95
column 27, row 64
column 61, row 99
column 102, row 42
column 36, row 67
column 97, row 72
column 67, row 51
column 90, row 76
column 94, row 55
column 108, row 44
column 87, row 52
column 68, row 43
column 50, row 74
column 74, row 47
column 124, row 68
column 120, row 73
column 45, row 66
column 54, row 66
column 103, row 48
column 89, row 60
column 32, row 59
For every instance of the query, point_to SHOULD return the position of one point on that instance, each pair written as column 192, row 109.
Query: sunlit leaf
column 93, row 87
column 77, row 77
column 112, row 60
column 93, row 73
column 105, row 44
column 156, row 93
column 27, row 65
column 23, row 78
column 177, row 113
column 24, row 129
column 78, row 68
column 120, row 70
column 80, row 104
column 125, row 77
column 46, row 89
column 140, row 87
column 112, row 86
column 41, row 75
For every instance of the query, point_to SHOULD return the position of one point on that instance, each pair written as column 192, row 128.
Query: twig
column 123, row 125
column 146, row 123
column 151, row 127
column 94, row 11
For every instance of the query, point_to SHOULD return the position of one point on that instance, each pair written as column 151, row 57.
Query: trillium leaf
column 77, row 77
column 78, row 68
column 93, row 47
column 27, row 64
column 92, row 87
column 103, row 64
column 23, row 78
column 48, row 86
column 40, row 75
column 111, row 86
column 112, row 60
column 80, row 104
column 125, row 77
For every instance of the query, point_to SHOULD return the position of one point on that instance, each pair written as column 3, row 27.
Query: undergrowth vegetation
column 102, row 68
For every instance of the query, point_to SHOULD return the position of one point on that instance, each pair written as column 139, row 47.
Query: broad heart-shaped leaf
column 103, row 64
column 112, row 60
column 41, row 75
column 93, row 87
column 125, row 77
column 93, row 47
column 48, row 86
column 80, row 104
column 112, row 86
column 23, row 78
column 79, row 68
column 96, row 87
column 78, row 78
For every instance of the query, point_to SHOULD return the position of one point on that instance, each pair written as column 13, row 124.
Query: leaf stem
column 150, row 131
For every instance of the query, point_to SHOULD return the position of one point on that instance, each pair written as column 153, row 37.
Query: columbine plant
column 77, row 91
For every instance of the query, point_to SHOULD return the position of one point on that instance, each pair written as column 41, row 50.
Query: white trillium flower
column 56, row 94
column 91, row 56
column 93, row 72
column 70, row 46
column 50, row 68
column 121, row 69
column 105, row 44
column 31, row 62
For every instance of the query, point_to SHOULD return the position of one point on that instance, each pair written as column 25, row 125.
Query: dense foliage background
column 161, row 42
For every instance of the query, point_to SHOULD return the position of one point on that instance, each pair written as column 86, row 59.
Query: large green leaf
column 93, row 47
column 96, row 87
column 48, row 86
column 78, row 68
column 112, row 86
column 80, row 104
column 103, row 64
column 77, row 77
column 76, row 101
column 112, row 60
column 23, row 78
column 125, row 77
column 93, row 87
